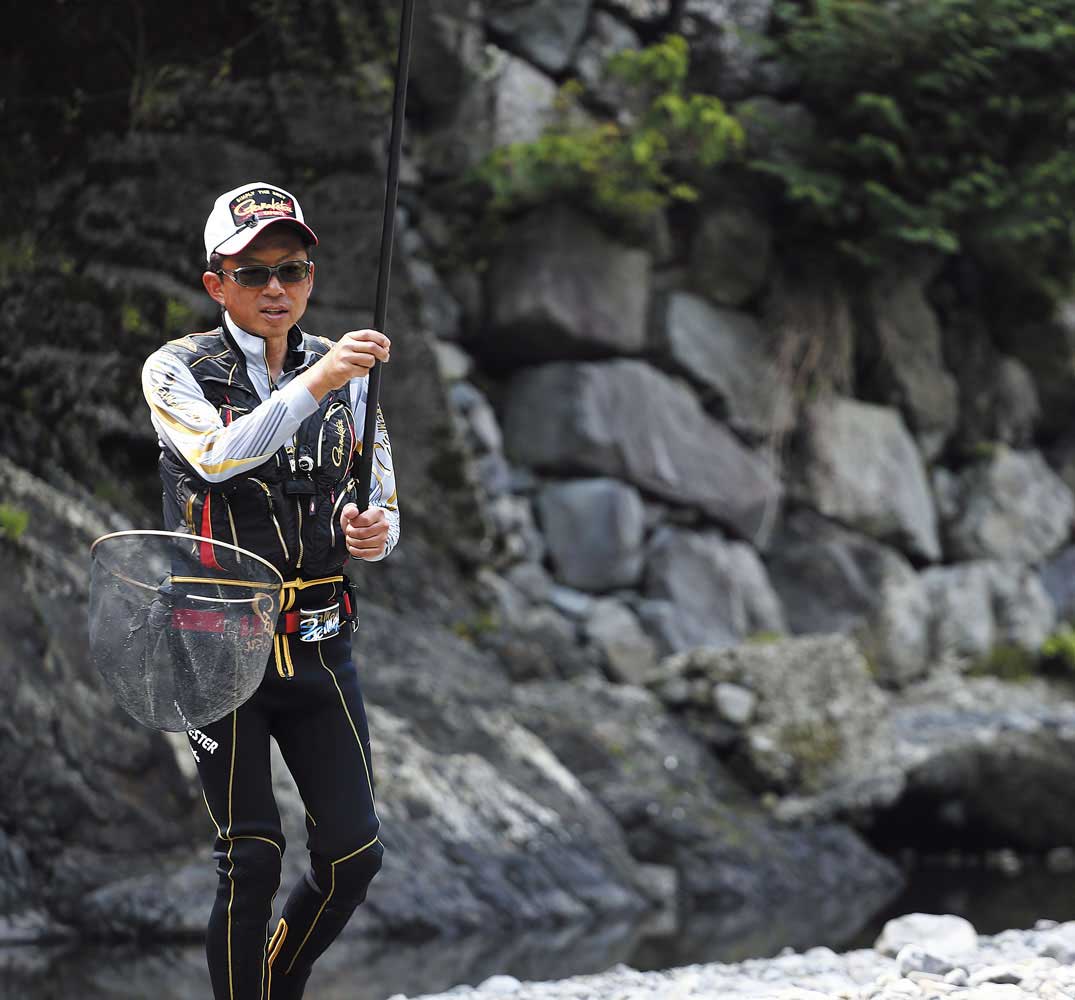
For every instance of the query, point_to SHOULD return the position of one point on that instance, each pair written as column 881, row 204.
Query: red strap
column 192, row 620
column 346, row 602
column 205, row 550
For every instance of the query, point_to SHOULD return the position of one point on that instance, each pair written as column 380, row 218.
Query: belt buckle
column 316, row 624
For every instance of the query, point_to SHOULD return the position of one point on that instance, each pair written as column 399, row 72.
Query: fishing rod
column 388, row 230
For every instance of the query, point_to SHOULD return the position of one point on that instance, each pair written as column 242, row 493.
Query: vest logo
column 337, row 452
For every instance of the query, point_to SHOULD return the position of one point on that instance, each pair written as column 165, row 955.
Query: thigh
column 234, row 766
column 327, row 749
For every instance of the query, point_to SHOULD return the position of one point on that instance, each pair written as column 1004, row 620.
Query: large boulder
column 720, row 589
column 628, row 420
column 858, row 465
column 724, row 351
column 682, row 808
column 819, row 720
column 446, row 47
column 1010, row 505
column 977, row 606
column 833, row 580
column 594, row 531
column 630, row 655
column 900, row 363
column 1048, row 351
column 558, row 287
column 545, row 32
column 730, row 254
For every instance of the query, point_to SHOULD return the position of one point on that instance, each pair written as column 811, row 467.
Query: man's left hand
column 366, row 532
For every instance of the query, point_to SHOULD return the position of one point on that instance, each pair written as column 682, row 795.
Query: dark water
column 374, row 970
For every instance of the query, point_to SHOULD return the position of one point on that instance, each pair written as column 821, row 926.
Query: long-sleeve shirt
column 190, row 425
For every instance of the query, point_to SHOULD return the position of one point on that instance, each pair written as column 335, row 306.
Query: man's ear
column 214, row 286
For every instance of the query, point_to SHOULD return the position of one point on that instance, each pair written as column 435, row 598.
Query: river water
column 375, row 970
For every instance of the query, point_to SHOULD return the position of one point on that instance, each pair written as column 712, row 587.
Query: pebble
column 917, row 957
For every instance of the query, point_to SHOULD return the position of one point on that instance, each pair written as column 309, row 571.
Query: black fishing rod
column 388, row 230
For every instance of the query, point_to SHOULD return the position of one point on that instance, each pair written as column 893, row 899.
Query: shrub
column 944, row 124
column 628, row 169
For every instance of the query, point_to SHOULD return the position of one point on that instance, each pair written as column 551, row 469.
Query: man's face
column 271, row 310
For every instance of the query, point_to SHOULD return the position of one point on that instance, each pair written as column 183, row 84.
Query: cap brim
column 242, row 239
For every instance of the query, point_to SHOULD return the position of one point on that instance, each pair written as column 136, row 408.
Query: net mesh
column 180, row 627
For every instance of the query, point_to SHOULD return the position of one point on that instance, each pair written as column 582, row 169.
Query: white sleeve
column 190, row 425
column 383, row 476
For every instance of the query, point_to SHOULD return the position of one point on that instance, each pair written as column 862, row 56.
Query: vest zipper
column 336, row 507
column 272, row 514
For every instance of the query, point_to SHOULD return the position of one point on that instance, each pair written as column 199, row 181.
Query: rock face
column 832, row 580
column 730, row 255
column 683, row 809
column 1010, row 506
column 900, row 362
column 719, row 589
column 724, row 351
column 979, row 605
column 627, row 420
column 818, row 717
column 859, row 466
column 560, row 288
column 594, row 529
column 546, row 33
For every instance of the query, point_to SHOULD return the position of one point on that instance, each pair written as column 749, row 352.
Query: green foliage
column 626, row 170
column 1060, row 648
column 943, row 124
column 13, row 521
column 1006, row 662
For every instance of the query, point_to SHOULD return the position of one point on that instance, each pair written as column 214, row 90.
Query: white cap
column 240, row 214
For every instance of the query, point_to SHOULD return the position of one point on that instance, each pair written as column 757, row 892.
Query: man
column 260, row 425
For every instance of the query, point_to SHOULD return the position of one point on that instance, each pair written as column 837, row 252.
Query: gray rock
column 573, row 603
column 819, row 716
column 734, row 703
column 1058, row 578
column 727, row 39
column 453, row 363
column 859, row 466
column 560, row 288
column 962, row 623
column 917, row 958
column 683, row 809
column 1048, row 351
column 730, row 254
column 720, row 587
column 445, row 47
column 1025, row 613
column 943, row 935
column 724, row 351
column 515, row 534
column 900, row 362
column 607, row 36
column 594, row 532
column 525, row 99
column 545, row 32
column 630, row 654
column 627, row 420
column 832, row 580
column 1009, row 506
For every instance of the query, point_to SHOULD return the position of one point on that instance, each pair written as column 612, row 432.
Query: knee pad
column 352, row 875
column 252, row 865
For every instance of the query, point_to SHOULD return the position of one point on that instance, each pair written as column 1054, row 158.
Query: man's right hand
column 353, row 355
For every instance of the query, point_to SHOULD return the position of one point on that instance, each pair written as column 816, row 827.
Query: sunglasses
column 257, row 275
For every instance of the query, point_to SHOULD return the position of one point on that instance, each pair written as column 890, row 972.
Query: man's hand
column 354, row 354
column 366, row 532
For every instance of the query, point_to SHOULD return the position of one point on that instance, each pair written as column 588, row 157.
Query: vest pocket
column 273, row 519
column 324, row 545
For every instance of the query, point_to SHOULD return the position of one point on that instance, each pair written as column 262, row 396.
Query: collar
column 253, row 347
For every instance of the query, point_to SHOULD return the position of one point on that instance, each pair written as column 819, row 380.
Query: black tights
column 318, row 719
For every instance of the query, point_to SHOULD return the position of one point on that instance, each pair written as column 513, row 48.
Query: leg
column 233, row 763
column 326, row 747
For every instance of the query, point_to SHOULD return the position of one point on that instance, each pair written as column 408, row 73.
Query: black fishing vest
column 286, row 510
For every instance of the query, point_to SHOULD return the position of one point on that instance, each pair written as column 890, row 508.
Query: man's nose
column 274, row 285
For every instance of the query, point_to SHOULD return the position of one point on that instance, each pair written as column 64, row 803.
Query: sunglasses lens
column 252, row 277
column 293, row 270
